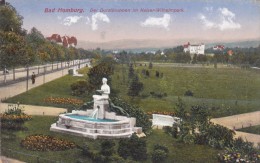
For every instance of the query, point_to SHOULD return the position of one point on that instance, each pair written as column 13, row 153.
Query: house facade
column 194, row 49
column 66, row 41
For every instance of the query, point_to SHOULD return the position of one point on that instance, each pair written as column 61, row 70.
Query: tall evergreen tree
column 135, row 87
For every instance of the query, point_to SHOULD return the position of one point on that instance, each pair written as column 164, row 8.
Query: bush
column 142, row 119
column 81, row 87
column 188, row 93
column 158, row 155
column 13, row 118
column 161, row 147
column 123, row 148
column 107, row 147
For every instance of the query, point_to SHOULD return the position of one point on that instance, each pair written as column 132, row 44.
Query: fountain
column 98, row 122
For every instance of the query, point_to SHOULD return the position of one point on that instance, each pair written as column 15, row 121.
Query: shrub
column 161, row 147
column 188, row 93
column 159, row 155
column 80, row 87
column 138, row 148
column 123, row 148
column 107, row 147
column 142, row 119
column 13, row 118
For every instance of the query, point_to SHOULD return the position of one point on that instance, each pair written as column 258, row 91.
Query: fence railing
column 21, row 73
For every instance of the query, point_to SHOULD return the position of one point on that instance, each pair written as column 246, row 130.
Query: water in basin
column 82, row 117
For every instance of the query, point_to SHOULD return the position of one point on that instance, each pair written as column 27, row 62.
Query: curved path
column 241, row 121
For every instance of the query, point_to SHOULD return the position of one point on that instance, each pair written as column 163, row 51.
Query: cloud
column 207, row 24
column 68, row 21
column 209, row 9
column 87, row 20
column 228, row 18
column 225, row 21
column 98, row 17
column 162, row 22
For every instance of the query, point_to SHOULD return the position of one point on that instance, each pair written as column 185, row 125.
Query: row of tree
column 21, row 48
column 239, row 56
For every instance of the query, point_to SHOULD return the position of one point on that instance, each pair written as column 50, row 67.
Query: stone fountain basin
column 120, row 127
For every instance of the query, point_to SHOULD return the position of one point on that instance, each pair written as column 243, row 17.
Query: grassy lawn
column 178, row 152
column 252, row 129
column 227, row 91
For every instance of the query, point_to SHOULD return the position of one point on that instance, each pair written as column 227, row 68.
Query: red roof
column 65, row 40
column 55, row 37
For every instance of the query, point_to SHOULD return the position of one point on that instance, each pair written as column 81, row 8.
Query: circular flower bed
column 46, row 143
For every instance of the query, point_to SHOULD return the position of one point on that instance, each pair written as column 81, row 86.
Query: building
column 230, row 52
column 194, row 49
column 66, row 41
column 2, row 2
column 219, row 47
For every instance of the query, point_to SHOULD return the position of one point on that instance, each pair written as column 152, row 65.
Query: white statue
column 105, row 91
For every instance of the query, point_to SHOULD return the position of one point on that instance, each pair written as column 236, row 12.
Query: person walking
column 33, row 78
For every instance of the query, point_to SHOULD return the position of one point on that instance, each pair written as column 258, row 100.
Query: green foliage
column 14, row 118
column 13, row 50
column 150, row 65
column 135, row 87
column 123, row 148
column 161, row 147
column 188, row 93
column 142, row 119
column 80, row 87
column 131, row 72
column 10, row 20
column 138, row 148
column 102, row 70
column 159, row 155
column 107, row 147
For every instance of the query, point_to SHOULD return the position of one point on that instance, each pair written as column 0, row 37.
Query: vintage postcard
column 130, row 81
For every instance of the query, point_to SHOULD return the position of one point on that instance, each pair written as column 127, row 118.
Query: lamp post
column 27, row 81
column 5, row 74
column 44, row 72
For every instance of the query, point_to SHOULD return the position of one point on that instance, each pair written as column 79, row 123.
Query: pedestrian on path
column 33, row 78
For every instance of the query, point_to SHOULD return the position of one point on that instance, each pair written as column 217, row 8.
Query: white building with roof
column 194, row 49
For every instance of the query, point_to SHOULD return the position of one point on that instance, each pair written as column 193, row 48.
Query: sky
column 104, row 21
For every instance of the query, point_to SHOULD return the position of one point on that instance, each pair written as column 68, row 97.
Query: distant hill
column 240, row 44
column 152, row 45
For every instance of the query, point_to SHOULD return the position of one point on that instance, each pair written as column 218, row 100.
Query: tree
column 131, row 72
column 150, row 65
column 123, row 148
column 138, row 148
column 10, row 20
column 98, row 72
column 14, row 51
column 135, row 87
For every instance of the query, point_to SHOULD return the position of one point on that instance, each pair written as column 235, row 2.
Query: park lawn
column 252, row 129
column 227, row 91
column 178, row 152
column 56, row 88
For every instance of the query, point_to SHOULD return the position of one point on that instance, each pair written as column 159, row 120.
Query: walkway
column 241, row 121
column 18, row 88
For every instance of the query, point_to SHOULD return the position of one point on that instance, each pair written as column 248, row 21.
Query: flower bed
column 15, row 118
column 228, row 156
column 46, row 143
column 161, row 112
column 62, row 100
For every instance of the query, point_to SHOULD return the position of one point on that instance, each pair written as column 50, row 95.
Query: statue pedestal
column 102, row 106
